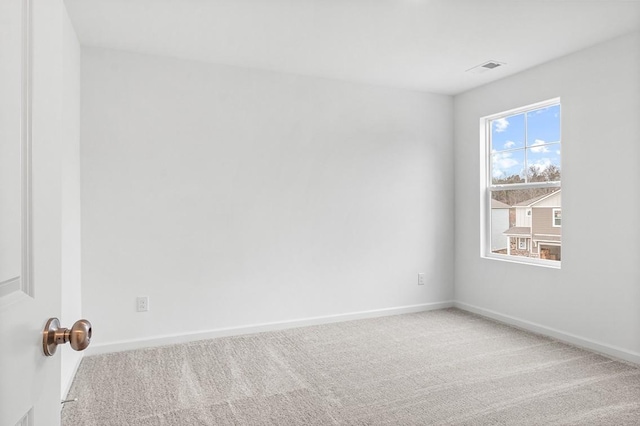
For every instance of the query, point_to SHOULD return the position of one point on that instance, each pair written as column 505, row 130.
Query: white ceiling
column 417, row 44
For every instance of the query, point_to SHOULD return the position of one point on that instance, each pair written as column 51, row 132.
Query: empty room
column 319, row 212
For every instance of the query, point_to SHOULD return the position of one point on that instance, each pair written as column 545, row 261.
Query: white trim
column 125, row 345
column 485, row 194
column 71, row 378
column 523, row 260
column 533, row 205
column 9, row 286
column 27, row 419
column 583, row 342
column 519, row 110
column 12, row 298
column 24, row 283
column 528, row 185
column 26, row 143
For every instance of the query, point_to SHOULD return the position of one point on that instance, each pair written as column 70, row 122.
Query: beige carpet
column 443, row 367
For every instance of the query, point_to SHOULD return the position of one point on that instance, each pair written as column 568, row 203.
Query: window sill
column 552, row 264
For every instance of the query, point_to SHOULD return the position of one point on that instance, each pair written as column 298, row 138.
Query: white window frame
column 486, row 187
column 522, row 243
column 553, row 218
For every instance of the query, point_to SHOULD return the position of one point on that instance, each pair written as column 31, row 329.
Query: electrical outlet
column 142, row 303
column 421, row 278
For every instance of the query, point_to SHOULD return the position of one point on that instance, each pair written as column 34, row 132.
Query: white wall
column 70, row 193
column 235, row 197
column 595, row 298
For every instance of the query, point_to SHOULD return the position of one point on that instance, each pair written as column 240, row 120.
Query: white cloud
column 501, row 162
column 538, row 146
column 501, row 124
column 542, row 164
column 509, row 144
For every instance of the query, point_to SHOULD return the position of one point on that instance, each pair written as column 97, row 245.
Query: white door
column 30, row 229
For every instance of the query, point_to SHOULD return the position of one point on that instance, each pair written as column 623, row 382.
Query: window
column 522, row 243
column 521, row 171
column 557, row 217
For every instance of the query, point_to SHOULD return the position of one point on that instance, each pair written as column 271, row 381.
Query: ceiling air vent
column 489, row 65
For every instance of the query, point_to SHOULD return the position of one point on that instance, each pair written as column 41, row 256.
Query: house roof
column 534, row 200
column 550, row 238
column 518, row 230
column 495, row 204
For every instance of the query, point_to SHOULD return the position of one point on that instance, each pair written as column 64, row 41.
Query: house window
column 522, row 243
column 521, row 171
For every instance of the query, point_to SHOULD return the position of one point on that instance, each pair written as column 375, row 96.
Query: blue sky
column 539, row 139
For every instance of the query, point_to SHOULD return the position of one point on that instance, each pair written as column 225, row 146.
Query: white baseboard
column 582, row 342
column 68, row 381
column 126, row 345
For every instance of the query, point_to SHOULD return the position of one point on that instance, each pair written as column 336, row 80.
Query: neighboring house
column 499, row 224
column 538, row 228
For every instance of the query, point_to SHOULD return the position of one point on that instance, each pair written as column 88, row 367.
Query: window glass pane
column 543, row 125
column 543, row 163
column 557, row 217
column 550, row 252
column 522, row 243
column 521, row 197
column 522, row 222
column 507, row 166
column 507, row 133
column 501, row 221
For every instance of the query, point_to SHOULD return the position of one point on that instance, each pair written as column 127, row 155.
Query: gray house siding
column 542, row 221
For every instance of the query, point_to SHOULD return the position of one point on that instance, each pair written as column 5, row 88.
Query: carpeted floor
column 442, row 367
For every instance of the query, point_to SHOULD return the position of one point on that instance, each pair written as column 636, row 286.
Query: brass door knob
column 53, row 335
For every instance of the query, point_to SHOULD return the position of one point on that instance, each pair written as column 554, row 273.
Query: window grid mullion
column 526, row 144
column 510, row 186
